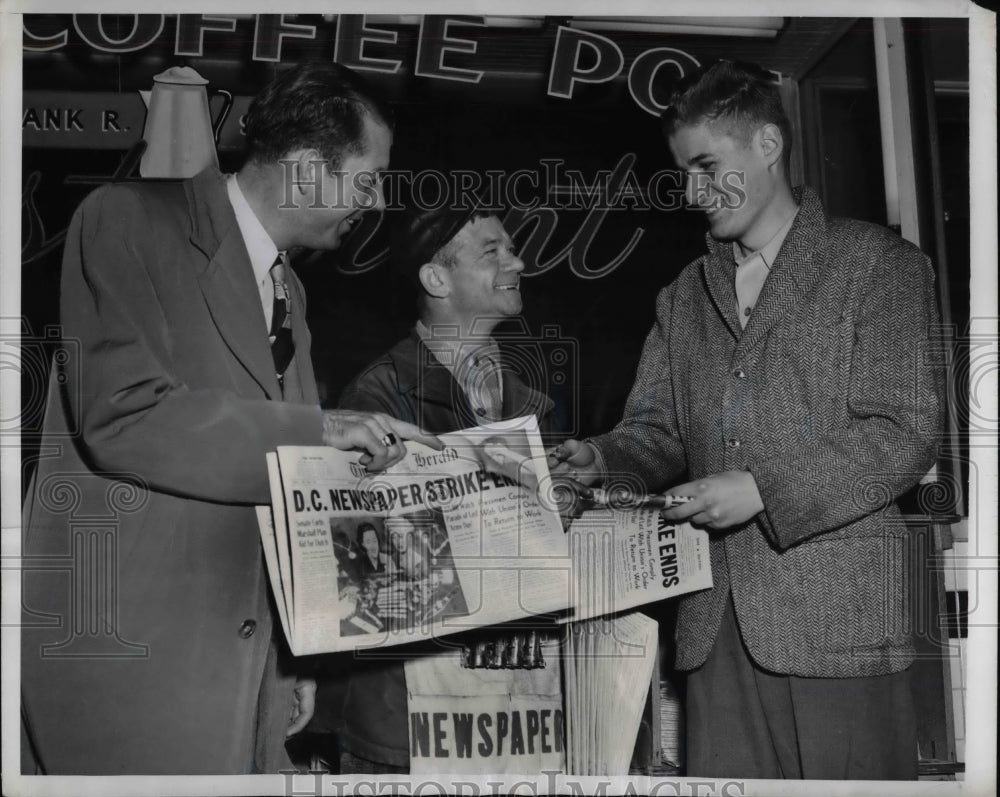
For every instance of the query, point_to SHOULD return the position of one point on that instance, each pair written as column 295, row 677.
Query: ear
column 307, row 165
column 434, row 279
column 771, row 143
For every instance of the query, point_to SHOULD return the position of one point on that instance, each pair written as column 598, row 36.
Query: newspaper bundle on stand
column 608, row 663
column 449, row 540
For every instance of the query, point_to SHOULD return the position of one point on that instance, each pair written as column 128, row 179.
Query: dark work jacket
column 409, row 383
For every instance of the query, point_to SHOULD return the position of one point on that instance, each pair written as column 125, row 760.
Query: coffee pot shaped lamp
column 179, row 133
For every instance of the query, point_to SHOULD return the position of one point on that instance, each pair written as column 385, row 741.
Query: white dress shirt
column 259, row 245
column 752, row 270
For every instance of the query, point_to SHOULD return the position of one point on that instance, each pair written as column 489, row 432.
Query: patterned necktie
column 282, row 347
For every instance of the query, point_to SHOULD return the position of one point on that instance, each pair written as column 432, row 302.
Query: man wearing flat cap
column 447, row 374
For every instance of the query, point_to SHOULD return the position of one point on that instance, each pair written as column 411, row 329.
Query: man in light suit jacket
column 789, row 382
column 148, row 638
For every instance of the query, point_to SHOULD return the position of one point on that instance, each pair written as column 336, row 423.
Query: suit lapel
column 300, row 334
column 428, row 384
column 794, row 272
column 227, row 282
column 719, row 271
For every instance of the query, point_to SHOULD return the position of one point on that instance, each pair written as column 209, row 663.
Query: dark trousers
column 351, row 764
column 746, row 722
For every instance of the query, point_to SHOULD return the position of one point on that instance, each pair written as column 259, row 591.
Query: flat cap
column 419, row 233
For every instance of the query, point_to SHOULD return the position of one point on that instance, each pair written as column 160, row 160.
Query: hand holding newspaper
column 445, row 541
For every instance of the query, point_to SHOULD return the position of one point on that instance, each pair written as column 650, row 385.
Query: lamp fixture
column 756, row 27
column 490, row 21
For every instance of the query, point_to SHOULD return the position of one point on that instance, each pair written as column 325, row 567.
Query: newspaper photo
column 426, row 548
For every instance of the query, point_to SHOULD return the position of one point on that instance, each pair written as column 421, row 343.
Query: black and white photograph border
column 969, row 466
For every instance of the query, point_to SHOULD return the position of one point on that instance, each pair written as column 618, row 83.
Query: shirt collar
column 260, row 247
column 451, row 351
column 769, row 251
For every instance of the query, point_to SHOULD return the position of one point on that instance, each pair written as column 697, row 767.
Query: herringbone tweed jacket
column 831, row 398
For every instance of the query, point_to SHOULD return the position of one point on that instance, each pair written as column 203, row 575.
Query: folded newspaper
column 449, row 540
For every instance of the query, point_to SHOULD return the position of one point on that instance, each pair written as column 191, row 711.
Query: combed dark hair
column 314, row 104
column 741, row 94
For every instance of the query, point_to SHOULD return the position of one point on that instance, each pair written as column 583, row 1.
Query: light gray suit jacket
column 147, row 641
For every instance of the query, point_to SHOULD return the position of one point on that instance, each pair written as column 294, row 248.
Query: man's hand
column 719, row 501
column 574, row 467
column 305, row 704
column 381, row 436
column 563, row 495
column 572, row 459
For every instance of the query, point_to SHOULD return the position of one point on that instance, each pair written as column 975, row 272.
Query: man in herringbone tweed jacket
column 788, row 382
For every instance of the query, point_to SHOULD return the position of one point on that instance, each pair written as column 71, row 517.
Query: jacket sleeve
column 137, row 418
column 374, row 390
column 645, row 444
column 894, row 408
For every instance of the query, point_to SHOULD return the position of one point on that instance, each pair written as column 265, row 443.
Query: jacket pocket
column 854, row 589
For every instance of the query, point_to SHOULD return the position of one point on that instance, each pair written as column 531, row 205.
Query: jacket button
column 247, row 627
column 739, row 373
column 734, row 443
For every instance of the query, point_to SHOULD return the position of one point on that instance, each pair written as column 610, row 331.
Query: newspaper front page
column 626, row 558
column 450, row 540
column 422, row 549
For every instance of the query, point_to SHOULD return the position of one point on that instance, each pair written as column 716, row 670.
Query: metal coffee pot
column 179, row 133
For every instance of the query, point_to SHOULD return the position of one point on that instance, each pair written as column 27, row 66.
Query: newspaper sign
column 473, row 720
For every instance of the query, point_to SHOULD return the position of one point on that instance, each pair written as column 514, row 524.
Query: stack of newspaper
column 607, row 664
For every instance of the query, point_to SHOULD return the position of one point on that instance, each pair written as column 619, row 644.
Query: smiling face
column 731, row 180
column 335, row 199
column 484, row 280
